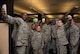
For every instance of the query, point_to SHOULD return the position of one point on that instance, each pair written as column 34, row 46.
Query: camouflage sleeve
column 11, row 20
column 53, row 32
column 77, row 35
column 30, row 36
column 33, row 40
column 43, row 29
column 67, row 24
column 43, row 40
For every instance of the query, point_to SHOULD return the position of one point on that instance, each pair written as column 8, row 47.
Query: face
column 47, row 21
column 33, row 26
column 3, row 11
column 54, row 22
column 38, row 29
column 60, row 23
column 24, row 16
column 72, row 22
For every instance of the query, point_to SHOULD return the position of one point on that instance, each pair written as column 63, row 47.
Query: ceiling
column 48, row 8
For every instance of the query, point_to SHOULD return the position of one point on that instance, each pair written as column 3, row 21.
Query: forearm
column 8, row 19
column 68, row 24
column 42, row 44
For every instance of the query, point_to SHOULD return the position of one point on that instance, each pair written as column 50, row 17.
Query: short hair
column 37, row 26
column 61, row 20
column 46, row 19
column 33, row 24
column 23, row 13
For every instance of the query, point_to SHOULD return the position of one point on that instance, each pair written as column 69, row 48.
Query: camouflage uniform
column 20, row 33
column 37, row 42
column 74, row 39
column 61, row 41
column 46, row 29
column 54, row 36
column 32, row 32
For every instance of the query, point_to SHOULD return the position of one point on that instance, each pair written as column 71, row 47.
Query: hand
column 75, row 45
column 34, row 49
column 42, row 47
column 69, row 17
column 3, row 12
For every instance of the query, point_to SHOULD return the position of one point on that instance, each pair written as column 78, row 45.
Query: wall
column 4, row 43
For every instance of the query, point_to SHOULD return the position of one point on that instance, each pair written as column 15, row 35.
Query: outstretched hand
column 69, row 17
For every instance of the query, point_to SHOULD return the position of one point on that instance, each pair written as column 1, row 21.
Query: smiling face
column 47, row 21
column 33, row 26
column 72, row 22
column 60, row 23
column 53, row 21
column 38, row 28
column 24, row 16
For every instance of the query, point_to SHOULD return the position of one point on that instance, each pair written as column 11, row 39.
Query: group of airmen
column 58, row 37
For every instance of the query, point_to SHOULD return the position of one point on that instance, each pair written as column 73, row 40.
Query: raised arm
column 68, row 23
column 8, row 18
